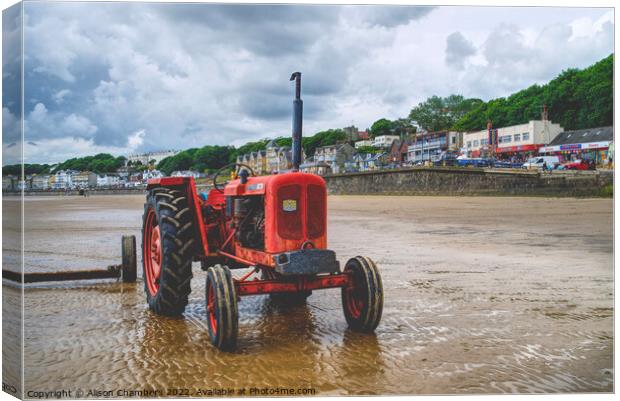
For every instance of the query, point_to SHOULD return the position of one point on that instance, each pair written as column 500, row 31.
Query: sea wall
column 116, row 191
column 440, row 181
column 470, row 181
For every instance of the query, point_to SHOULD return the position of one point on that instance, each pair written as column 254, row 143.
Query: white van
column 538, row 161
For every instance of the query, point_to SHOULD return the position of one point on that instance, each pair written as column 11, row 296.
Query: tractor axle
column 256, row 287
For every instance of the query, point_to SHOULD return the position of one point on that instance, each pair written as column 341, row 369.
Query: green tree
column 249, row 148
column 439, row 114
column 403, row 126
column 181, row 161
column 367, row 149
column 323, row 138
column 381, row 127
column 16, row 169
column 211, row 157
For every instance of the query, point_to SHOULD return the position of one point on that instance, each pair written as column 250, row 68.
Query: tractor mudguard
column 188, row 186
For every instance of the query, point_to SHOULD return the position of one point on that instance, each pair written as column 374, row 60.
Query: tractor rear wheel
column 221, row 305
column 167, row 251
column 363, row 300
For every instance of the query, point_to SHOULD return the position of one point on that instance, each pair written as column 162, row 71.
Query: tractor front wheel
column 221, row 305
column 362, row 300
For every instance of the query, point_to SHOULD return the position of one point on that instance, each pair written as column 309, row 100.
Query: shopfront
column 517, row 153
column 596, row 151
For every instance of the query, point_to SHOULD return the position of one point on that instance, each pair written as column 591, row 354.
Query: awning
column 575, row 146
column 519, row 148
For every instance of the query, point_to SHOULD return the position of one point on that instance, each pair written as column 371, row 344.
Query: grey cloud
column 11, row 74
column 390, row 16
column 267, row 107
column 187, row 75
column 266, row 30
column 505, row 44
column 458, row 50
column 41, row 123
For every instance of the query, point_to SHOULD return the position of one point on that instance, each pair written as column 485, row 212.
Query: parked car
column 446, row 159
column 506, row 164
column 539, row 161
column 474, row 162
column 579, row 164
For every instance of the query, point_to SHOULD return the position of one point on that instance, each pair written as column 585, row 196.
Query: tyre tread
column 177, row 251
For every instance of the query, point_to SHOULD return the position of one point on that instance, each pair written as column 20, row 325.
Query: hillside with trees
column 575, row 99
column 15, row 169
column 383, row 126
column 210, row 158
column 100, row 163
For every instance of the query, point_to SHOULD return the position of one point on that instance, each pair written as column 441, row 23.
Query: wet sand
column 482, row 295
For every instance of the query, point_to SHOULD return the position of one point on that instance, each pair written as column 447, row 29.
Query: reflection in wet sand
column 469, row 307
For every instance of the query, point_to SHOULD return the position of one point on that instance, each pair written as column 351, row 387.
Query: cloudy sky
column 127, row 77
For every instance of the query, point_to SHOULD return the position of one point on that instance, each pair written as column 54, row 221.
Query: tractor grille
column 289, row 212
column 316, row 211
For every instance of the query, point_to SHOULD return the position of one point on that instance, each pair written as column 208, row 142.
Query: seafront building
column 335, row 156
column 384, row 141
column 428, row 146
column 147, row 158
column 521, row 141
column 364, row 143
column 40, row 181
column 273, row 159
column 84, row 179
column 63, row 179
column 397, row 154
column 108, row 180
column 591, row 144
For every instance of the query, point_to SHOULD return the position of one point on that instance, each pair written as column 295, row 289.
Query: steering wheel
column 237, row 165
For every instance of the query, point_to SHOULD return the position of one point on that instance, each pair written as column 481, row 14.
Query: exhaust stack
column 298, row 106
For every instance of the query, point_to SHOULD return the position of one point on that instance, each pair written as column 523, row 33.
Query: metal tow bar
column 127, row 271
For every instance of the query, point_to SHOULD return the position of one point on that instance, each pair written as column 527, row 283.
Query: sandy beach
column 482, row 295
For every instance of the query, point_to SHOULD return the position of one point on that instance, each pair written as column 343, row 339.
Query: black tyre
column 167, row 251
column 363, row 301
column 129, row 266
column 221, row 306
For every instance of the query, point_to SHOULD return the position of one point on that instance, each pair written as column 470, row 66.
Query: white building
column 84, row 179
column 145, row 158
column 360, row 144
column 63, row 179
column 108, row 180
column 40, row 181
column 384, row 141
column 187, row 173
column 517, row 139
column 148, row 174
column 429, row 146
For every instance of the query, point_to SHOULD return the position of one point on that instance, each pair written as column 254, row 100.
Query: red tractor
column 275, row 225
